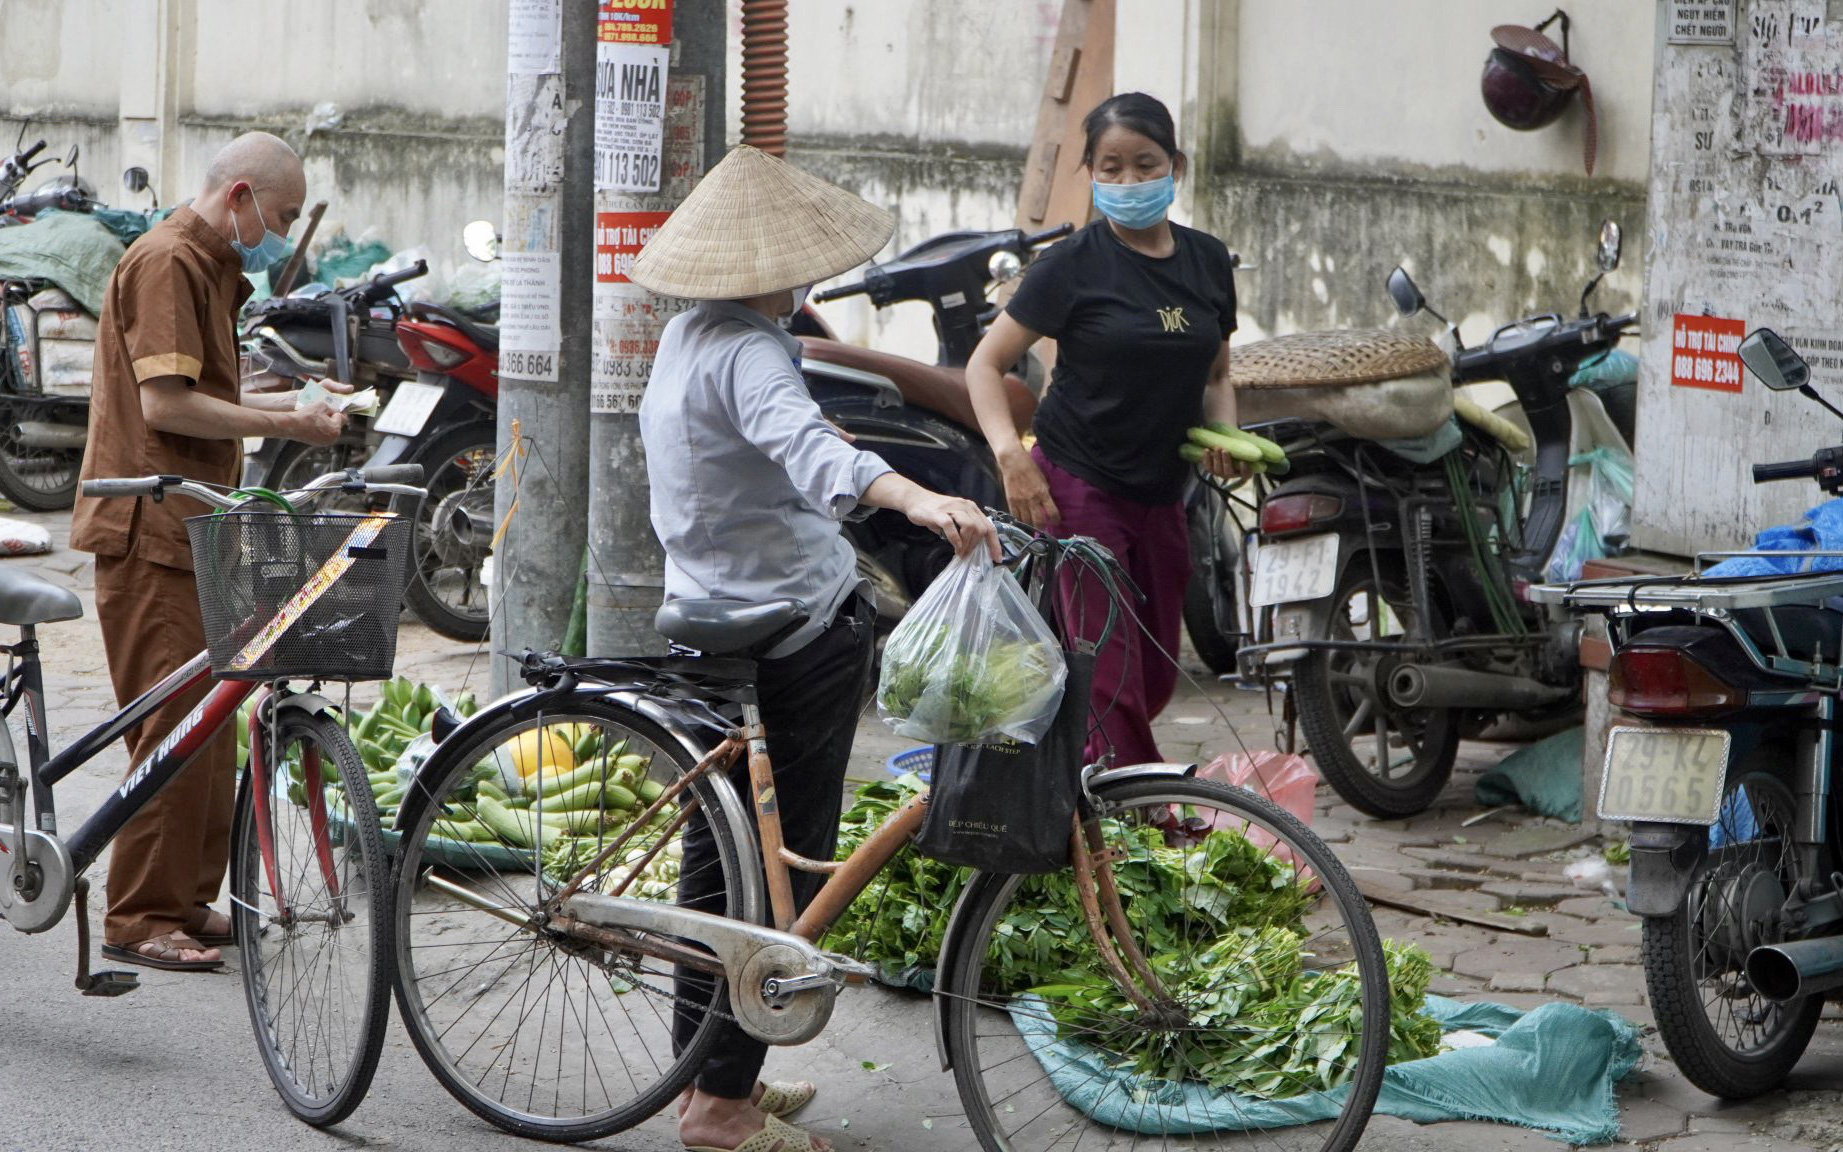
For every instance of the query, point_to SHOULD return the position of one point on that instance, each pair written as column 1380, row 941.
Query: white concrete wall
column 442, row 59
column 420, row 85
column 60, row 57
column 1393, row 85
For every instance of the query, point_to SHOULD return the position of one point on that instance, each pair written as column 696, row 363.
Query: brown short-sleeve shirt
column 170, row 310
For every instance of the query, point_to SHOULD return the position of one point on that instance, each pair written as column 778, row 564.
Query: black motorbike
column 1394, row 586
column 919, row 417
column 47, row 347
column 1722, row 760
column 348, row 335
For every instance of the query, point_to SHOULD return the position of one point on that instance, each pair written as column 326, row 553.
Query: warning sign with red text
column 634, row 22
column 1703, row 352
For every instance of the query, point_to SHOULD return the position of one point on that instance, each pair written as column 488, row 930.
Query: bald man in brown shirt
column 166, row 399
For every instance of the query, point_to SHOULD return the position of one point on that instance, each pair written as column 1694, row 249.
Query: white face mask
column 800, row 295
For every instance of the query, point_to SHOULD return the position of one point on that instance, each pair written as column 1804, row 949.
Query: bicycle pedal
column 852, row 970
column 112, row 982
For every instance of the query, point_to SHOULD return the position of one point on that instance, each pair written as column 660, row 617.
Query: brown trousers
column 170, row 858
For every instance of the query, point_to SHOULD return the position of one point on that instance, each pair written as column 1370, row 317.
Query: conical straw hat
column 756, row 225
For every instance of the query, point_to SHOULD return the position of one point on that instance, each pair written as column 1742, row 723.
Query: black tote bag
column 1005, row 807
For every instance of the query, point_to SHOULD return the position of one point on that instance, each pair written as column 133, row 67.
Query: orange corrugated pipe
column 764, row 75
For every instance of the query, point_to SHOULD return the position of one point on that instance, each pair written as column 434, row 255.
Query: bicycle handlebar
column 26, row 156
column 397, row 479
column 410, row 474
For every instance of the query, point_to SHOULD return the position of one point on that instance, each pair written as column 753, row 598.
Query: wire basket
column 309, row 596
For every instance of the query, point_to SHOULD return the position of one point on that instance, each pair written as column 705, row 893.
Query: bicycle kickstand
column 108, row 982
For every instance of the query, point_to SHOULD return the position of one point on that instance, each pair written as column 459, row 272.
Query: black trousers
column 809, row 703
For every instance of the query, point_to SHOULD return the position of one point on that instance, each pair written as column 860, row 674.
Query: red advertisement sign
column 1702, row 352
column 619, row 236
column 634, row 22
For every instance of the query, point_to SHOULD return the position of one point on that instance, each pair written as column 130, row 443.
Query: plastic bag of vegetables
column 972, row 661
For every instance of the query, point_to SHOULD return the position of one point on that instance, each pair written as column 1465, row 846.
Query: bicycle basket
column 300, row 595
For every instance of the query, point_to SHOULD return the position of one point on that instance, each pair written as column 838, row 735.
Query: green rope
column 1491, row 572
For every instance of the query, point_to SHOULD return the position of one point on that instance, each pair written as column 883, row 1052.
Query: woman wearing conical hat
column 750, row 487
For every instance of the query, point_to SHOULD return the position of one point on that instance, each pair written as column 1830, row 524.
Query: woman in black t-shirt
column 1141, row 310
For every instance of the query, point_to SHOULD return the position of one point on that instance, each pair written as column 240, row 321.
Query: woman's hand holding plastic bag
column 973, row 661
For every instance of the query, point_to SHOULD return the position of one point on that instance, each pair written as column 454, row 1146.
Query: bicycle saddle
column 729, row 627
column 26, row 599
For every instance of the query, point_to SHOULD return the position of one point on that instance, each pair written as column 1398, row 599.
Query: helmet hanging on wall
column 1529, row 82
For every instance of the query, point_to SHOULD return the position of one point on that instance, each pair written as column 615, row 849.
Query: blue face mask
column 267, row 251
column 1138, row 205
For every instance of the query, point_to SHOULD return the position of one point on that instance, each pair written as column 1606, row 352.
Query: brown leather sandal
column 163, row 952
column 206, row 919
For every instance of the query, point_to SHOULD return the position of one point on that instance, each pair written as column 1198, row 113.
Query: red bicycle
column 289, row 596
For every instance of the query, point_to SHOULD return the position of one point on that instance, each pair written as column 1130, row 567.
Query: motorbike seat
column 485, row 335
column 928, row 386
column 26, row 599
column 729, row 627
column 1810, row 633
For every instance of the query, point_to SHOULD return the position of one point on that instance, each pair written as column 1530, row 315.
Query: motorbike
column 47, row 355
column 1393, row 583
column 919, row 417
column 444, row 419
column 347, row 334
column 1721, row 758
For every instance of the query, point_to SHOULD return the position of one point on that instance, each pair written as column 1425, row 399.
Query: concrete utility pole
column 547, row 252
column 626, row 565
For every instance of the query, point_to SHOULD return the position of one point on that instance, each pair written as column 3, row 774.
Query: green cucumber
column 516, row 827
column 589, row 745
column 586, row 822
column 1237, row 447
column 1270, row 452
column 555, row 784
column 620, row 797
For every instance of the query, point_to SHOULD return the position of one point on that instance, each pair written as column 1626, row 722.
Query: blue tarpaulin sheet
column 1552, row 1069
column 1822, row 531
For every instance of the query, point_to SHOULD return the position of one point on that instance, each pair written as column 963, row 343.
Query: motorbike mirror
column 135, row 179
column 1004, row 266
column 481, row 240
column 1773, row 362
column 1610, row 242
column 1402, row 290
column 70, row 158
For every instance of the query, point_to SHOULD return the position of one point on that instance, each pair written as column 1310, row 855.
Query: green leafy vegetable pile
column 1225, row 919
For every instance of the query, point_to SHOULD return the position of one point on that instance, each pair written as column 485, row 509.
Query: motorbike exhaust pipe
column 43, row 434
column 470, row 528
column 1437, row 686
column 1797, row 969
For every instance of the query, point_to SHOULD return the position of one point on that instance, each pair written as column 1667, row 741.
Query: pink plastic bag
column 1285, row 779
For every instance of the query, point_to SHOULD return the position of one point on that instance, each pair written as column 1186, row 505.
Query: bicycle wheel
column 315, row 962
column 539, row 1033
column 1214, row 1059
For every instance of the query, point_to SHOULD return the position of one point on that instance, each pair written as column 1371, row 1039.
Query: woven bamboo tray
column 1333, row 359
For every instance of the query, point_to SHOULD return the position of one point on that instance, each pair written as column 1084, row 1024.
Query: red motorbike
column 443, row 420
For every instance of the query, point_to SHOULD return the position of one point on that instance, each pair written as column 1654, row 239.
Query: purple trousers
column 1133, row 680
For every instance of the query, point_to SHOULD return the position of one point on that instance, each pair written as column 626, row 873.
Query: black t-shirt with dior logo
column 1135, row 337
